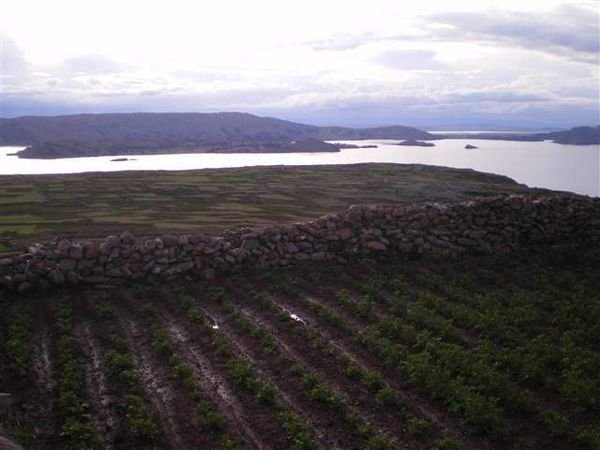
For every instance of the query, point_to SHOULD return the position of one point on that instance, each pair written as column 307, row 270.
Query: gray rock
column 25, row 286
column 150, row 244
column 115, row 273
column 376, row 246
column 319, row 256
column 345, row 233
column 127, row 238
column 90, row 250
column 157, row 269
column 19, row 277
column 250, row 244
column 86, row 264
column 71, row 277
column 466, row 242
column 169, row 240
column 76, row 251
column 57, row 276
column 477, row 234
column 209, row 274
column 94, row 279
column 112, row 241
column 68, row 264
column 292, row 248
column 63, row 246
column 301, row 256
column 304, row 246
column 148, row 266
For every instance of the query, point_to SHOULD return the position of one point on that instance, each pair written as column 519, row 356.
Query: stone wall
column 496, row 224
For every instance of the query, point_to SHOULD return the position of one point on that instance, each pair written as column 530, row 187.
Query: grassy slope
column 209, row 200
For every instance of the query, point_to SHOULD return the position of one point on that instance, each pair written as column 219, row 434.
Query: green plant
column 105, row 309
column 419, row 428
column 379, row 443
column 445, row 443
column 388, row 398
column 354, row 372
column 212, row 421
column 161, row 343
column 139, row 423
column 16, row 347
column 297, row 432
column 373, row 381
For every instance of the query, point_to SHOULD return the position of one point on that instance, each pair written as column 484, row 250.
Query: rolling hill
column 142, row 133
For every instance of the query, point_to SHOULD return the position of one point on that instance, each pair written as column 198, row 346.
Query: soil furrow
column 351, row 350
column 96, row 383
column 154, row 379
column 297, row 352
column 41, row 361
column 286, row 390
column 42, row 417
column 212, row 382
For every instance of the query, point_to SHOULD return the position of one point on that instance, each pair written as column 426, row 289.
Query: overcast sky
column 459, row 63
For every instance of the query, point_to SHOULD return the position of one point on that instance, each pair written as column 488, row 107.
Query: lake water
column 536, row 164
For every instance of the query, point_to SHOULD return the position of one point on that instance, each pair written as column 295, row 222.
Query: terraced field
column 477, row 353
column 99, row 204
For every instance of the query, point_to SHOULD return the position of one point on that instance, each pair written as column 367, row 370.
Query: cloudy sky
column 460, row 64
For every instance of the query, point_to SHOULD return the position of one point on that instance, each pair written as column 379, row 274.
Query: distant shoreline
column 126, row 134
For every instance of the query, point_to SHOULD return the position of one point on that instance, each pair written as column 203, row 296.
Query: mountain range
column 223, row 132
column 143, row 133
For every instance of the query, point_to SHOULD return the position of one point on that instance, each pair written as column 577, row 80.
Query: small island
column 415, row 143
column 122, row 159
column 470, row 147
column 351, row 146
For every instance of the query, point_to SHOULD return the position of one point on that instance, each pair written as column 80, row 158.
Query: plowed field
column 477, row 353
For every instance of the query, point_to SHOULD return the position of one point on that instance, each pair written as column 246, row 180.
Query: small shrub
column 265, row 394
column 105, row 309
column 212, row 421
column 161, row 343
column 419, row 428
column 354, row 372
column 297, row 432
column 379, row 443
column 373, row 381
column 139, row 423
column 445, row 443
column 388, row 398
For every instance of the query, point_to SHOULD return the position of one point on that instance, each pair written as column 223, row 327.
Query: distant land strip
column 225, row 132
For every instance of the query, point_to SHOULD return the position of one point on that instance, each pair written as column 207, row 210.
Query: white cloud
column 315, row 59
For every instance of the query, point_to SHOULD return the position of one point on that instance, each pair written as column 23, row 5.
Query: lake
column 536, row 164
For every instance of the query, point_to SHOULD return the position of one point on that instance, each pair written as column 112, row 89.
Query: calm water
column 537, row 164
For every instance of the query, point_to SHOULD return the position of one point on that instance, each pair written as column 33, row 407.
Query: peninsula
column 165, row 133
column 224, row 132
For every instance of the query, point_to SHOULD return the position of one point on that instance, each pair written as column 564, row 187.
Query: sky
column 461, row 64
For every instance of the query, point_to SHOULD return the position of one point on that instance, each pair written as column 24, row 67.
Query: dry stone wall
column 496, row 224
